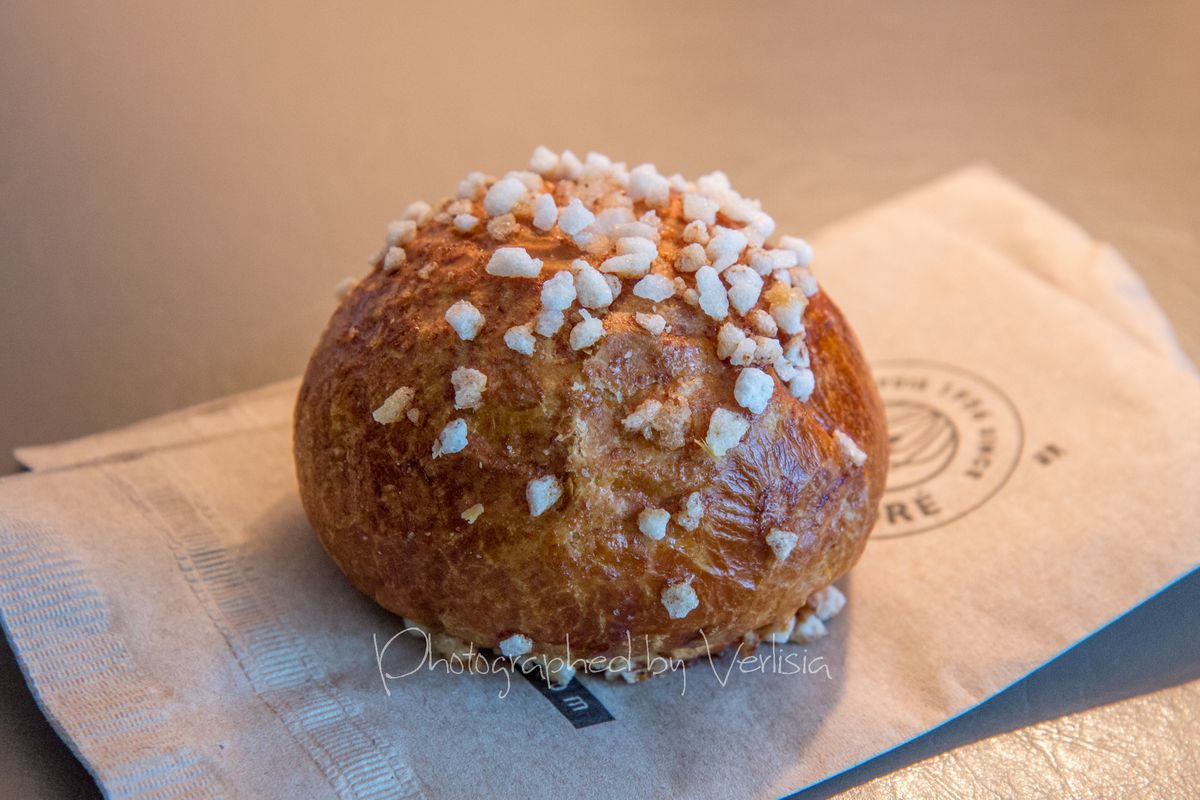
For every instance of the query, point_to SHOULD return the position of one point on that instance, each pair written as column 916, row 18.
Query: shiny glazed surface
column 390, row 514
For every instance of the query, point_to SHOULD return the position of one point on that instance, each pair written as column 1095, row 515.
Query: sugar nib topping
column 716, row 262
column 680, row 599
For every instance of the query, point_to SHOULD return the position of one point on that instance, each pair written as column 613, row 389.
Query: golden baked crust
column 390, row 514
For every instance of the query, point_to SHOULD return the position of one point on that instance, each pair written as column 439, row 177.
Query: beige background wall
column 180, row 187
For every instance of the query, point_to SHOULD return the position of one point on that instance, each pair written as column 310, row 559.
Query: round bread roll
column 588, row 411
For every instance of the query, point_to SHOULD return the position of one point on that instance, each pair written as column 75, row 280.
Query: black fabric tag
column 573, row 701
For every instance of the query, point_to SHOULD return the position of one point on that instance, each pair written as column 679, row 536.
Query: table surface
column 180, row 189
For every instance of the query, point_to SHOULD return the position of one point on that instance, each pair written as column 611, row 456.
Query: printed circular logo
column 955, row 439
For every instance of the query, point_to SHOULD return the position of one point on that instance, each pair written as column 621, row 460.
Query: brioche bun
column 602, row 483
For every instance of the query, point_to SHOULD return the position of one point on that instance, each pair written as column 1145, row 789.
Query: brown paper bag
column 184, row 631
